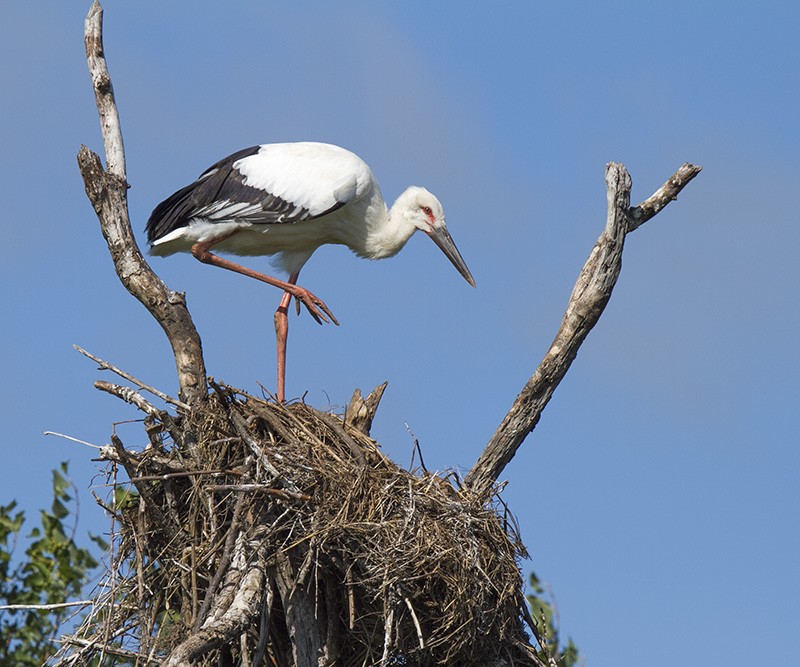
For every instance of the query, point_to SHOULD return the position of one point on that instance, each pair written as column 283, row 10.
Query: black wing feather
column 219, row 186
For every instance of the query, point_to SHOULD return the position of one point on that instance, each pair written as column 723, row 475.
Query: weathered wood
column 307, row 633
column 361, row 411
column 224, row 625
column 586, row 304
column 107, row 191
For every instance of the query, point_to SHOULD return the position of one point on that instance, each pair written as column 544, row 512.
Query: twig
column 105, row 366
column 129, row 396
column 387, row 635
column 417, row 449
column 335, row 424
column 586, row 304
column 223, row 563
column 240, row 425
column 261, row 488
column 122, row 653
column 416, row 622
column 663, row 196
column 184, row 473
column 69, row 437
column 45, row 607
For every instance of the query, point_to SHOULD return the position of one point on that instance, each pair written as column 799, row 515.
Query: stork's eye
column 427, row 210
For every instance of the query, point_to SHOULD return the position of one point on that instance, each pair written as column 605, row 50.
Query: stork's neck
column 389, row 228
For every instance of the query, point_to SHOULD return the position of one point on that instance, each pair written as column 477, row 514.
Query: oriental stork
column 287, row 200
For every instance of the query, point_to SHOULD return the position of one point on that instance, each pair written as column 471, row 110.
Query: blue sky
column 659, row 494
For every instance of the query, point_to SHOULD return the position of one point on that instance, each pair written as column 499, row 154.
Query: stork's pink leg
column 281, row 335
column 315, row 305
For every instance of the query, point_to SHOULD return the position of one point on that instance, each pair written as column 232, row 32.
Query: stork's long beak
column 442, row 238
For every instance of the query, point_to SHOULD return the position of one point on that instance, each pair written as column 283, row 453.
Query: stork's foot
column 313, row 304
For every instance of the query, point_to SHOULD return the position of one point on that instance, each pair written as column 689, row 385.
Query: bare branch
column 261, row 488
column 104, row 92
column 663, row 196
column 69, row 437
column 104, row 365
column 107, row 191
column 45, row 607
column 586, row 304
column 129, row 396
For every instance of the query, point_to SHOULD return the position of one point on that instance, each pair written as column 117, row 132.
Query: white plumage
column 287, row 200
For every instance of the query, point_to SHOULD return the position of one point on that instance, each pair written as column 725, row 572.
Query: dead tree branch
column 107, row 191
column 586, row 304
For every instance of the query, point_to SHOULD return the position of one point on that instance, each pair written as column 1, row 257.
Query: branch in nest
column 261, row 488
column 586, row 304
column 104, row 365
column 111, row 650
column 129, row 396
column 220, row 629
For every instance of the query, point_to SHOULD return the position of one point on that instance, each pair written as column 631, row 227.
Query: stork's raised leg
column 313, row 304
column 281, row 336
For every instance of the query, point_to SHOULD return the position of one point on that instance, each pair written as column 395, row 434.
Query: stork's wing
column 267, row 184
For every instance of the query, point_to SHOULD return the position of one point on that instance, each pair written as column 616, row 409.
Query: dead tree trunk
column 266, row 534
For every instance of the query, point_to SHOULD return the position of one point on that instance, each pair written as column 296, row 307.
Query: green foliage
column 544, row 617
column 54, row 569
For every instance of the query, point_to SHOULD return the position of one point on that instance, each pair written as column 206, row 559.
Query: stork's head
column 425, row 212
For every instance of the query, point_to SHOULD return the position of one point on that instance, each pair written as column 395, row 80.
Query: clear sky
column 659, row 494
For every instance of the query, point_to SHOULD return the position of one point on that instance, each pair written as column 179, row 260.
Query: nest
column 251, row 532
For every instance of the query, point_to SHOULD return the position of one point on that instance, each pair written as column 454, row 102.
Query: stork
column 287, row 200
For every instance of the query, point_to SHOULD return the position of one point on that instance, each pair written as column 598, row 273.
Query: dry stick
column 137, row 400
column 224, row 561
column 130, row 655
column 184, row 473
column 263, row 627
column 335, row 424
column 69, row 437
column 589, row 297
column 414, row 618
column 105, row 366
column 129, row 396
column 45, row 607
column 260, row 488
column 107, row 191
column 169, row 530
column 252, row 443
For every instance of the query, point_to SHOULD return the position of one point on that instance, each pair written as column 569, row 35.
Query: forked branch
column 107, row 191
column 587, row 302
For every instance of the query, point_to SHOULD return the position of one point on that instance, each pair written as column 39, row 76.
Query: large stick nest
column 289, row 521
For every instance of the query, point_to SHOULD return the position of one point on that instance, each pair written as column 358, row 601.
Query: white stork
column 287, row 200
